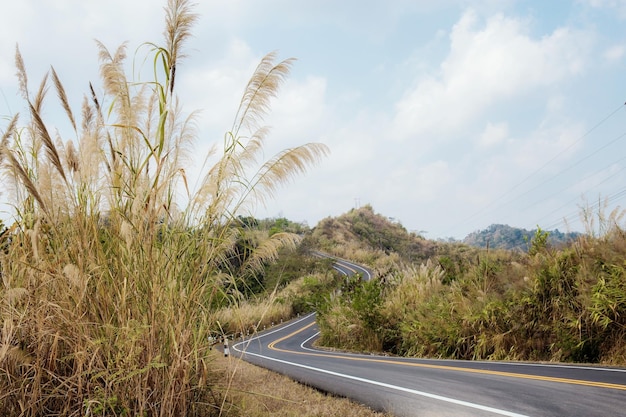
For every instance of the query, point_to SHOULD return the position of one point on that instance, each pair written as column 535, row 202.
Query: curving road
column 423, row 387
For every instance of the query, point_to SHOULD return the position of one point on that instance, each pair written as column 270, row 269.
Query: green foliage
column 554, row 303
column 608, row 309
column 291, row 265
column 539, row 243
column 352, row 316
column 501, row 236
column 281, row 224
column 364, row 298
column 451, row 269
column 248, row 222
column 607, row 327
column 315, row 293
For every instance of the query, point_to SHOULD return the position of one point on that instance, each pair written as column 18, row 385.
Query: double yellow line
column 272, row 346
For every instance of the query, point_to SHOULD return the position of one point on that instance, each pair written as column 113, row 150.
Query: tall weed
column 109, row 284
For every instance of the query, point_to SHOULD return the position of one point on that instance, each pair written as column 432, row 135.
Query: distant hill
column 502, row 236
column 364, row 230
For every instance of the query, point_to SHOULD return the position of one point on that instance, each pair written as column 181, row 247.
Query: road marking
column 355, row 268
column 346, row 264
column 260, row 336
column 520, row 364
column 394, row 387
column 272, row 346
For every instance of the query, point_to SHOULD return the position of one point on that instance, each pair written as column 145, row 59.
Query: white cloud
column 549, row 146
column 487, row 96
column 494, row 134
column 299, row 113
column 614, row 53
column 429, row 180
column 497, row 61
column 618, row 5
column 215, row 87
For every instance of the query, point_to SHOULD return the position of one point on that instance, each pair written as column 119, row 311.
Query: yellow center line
column 272, row 346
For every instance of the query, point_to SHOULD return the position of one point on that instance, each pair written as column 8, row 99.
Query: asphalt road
column 422, row 387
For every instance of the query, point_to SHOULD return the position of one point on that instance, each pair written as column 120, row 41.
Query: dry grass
column 109, row 284
column 256, row 392
column 250, row 316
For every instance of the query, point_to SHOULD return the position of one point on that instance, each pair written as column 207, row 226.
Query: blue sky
column 447, row 116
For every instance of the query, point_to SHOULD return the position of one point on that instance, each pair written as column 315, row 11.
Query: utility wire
column 587, row 177
column 528, row 177
column 565, row 220
column 566, row 169
column 572, row 201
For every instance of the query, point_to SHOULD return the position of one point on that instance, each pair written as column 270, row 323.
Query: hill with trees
column 564, row 302
column 364, row 231
column 502, row 236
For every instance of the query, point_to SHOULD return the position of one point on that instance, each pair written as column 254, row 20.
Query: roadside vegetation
column 110, row 286
column 546, row 304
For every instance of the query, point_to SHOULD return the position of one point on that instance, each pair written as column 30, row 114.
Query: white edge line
column 369, row 276
column 306, row 341
column 257, row 337
column 369, row 381
column 322, row 255
column 538, row 365
column 542, row 365
column 396, row 387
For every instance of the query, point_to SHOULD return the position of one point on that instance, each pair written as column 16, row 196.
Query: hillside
column 549, row 302
column 502, row 236
column 363, row 230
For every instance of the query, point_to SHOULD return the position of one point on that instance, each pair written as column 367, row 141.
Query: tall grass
column 109, row 284
column 555, row 304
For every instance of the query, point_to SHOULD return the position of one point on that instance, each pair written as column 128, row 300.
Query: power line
column 542, row 167
column 570, row 202
column 592, row 175
column 612, row 199
column 566, row 169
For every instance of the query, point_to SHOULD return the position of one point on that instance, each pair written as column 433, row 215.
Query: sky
column 446, row 116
